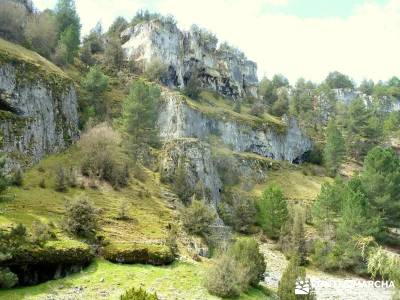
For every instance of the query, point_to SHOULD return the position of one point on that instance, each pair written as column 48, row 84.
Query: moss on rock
column 67, row 252
column 139, row 253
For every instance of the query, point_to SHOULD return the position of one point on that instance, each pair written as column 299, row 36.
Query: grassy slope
column 295, row 183
column 106, row 280
column 11, row 51
column 33, row 203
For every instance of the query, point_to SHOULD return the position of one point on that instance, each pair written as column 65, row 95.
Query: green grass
column 149, row 214
column 180, row 280
column 296, row 185
column 13, row 52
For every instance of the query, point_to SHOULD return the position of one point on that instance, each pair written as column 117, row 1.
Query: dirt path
column 327, row 286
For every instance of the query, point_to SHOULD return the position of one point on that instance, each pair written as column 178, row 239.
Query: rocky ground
column 327, row 286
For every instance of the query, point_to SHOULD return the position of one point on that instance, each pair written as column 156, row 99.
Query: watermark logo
column 302, row 287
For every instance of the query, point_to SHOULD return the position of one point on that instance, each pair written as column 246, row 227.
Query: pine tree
column 68, row 25
column 362, row 129
column 334, row 149
column 287, row 284
column 272, row 211
column 139, row 115
column 298, row 236
column 380, row 180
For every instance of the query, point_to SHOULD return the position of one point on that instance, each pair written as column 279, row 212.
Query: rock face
column 38, row 113
column 348, row 95
column 178, row 120
column 198, row 165
column 192, row 53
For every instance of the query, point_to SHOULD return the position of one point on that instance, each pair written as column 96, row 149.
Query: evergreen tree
column 114, row 54
column 139, row 115
column 328, row 204
column 298, row 236
column 95, row 84
column 281, row 105
column 119, row 25
column 337, row 80
column 380, row 179
column 68, row 24
column 357, row 129
column 292, row 274
column 272, row 211
column 334, row 149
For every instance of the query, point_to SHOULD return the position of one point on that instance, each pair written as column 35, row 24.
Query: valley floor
column 330, row 287
column 105, row 280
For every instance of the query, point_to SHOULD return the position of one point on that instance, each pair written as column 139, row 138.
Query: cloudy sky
column 297, row 38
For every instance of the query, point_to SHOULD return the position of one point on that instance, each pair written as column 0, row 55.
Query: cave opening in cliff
column 33, row 274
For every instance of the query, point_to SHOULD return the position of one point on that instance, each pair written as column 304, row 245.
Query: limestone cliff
column 348, row 95
column 198, row 164
column 224, row 69
column 178, row 120
column 38, row 106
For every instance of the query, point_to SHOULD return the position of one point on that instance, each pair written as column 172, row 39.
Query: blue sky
column 297, row 38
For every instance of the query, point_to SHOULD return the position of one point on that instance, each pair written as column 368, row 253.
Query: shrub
column 102, row 157
column 18, row 178
column 7, row 278
column 12, row 21
column 95, row 82
column 139, row 254
column 81, row 218
column 138, row 294
column 292, row 237
column 4, row 182
column 41, row 233
column 250, row 261
column 237, row 107
column 171, row 240
column 272, row 211
column 239, row 211
column 123, row 211
column 281, row 105
column 197, row 217
column 287, row 284
column 61, row 180
column 42, row 183
column 228, row 170
column 257, row 109
column 222, row 278
column 181, row 186
column 156, row 70
column 114, row 54
column 41, row 33
column 192, row 88
column 235, row 270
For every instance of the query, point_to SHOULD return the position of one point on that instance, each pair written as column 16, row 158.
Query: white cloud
column 277, row 2
column 364, row 45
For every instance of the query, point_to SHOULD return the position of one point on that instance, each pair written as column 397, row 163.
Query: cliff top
column 10, row 52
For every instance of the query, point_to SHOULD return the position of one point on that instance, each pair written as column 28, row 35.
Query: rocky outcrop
column 38, row 110
column 195, row 157
column 192, row 53
column 348, row 95
column 178, row 120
